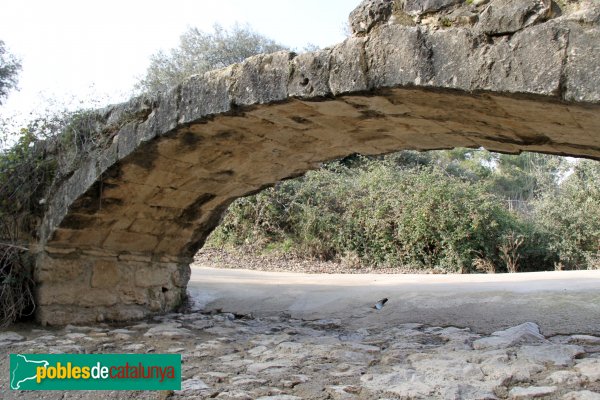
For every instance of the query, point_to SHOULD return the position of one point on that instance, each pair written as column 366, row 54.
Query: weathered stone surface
column 557, row 354
column 315, row 363
column 581, row 395
column 590, row 369
column 397, row 56
column 204, row 95
column 530, row 61
column 261, row 79
column 527, row 332
column 369, row 13
column 105, row 274
column 531, row 392
column 347, row 71
column 564, row 378
column 508, row 16
column 7, row 337
column 417, row 7
column 582, row 73
column 310, row 74
column 417, row 74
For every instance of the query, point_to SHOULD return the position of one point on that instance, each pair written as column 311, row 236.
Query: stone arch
column 121, row 231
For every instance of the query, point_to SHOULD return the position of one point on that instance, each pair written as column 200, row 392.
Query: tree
column 9, row 68
column 199, row 52
column 572, row 217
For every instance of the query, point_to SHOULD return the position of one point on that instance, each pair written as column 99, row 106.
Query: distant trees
column 9, row 69
column 199, row 52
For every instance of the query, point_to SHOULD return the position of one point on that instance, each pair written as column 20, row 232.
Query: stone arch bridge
column 120, row 232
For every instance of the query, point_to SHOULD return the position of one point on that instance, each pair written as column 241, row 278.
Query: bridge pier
column 86, row 287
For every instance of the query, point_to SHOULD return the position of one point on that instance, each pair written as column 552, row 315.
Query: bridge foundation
column 76, row 287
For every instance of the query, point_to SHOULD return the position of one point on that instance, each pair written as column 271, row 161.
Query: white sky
column 78, row 50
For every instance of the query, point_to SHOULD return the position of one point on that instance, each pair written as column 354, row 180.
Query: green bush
column 571, row 218
column 419, row 216
column 47, row 150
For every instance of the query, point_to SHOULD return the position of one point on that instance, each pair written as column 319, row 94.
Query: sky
column 92, row 53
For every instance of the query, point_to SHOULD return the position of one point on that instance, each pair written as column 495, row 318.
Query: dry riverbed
column 252, row 335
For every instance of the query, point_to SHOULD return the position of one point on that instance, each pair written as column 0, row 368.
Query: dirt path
column 559, row 302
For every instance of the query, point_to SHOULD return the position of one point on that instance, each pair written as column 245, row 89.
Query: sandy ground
column 559, row 302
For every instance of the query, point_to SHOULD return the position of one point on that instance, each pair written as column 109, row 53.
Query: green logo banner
column 95, row 371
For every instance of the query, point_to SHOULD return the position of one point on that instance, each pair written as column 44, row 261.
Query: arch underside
column 124, row 247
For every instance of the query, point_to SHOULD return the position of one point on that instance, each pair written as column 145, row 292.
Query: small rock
column 229, row 316
column 122, row 336
column 581, row 395
column 192, row 384
column 255, row 351
column 589, row 368
column 531, row 392
column 75, row 335
column 557, row 354
column 564, row 378
column 121, row 331
column 133, row 347
column 256, row 368
column 202, row 324
column 234, row 394
column 527, row 332
column 171, row 330
column 585, row 339
column 176, row 350
column 325, row 323
column 280, row 397
column 10, row 337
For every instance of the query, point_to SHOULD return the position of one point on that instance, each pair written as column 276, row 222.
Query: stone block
column 204, row 95
column 582, row 73
column 261, row 79
column 94, row 297
column 130, row 241
column 64, row 293
column 310, row 74
column 368, row 14
column 134, row 295
column 105, row 274
column 49, row 269
column 181, row 275
column 509, row 16
column 451, row 58
column 399, row 55
column 348, row 66
column 531, row 61
column 149, row 275
column 163, row 118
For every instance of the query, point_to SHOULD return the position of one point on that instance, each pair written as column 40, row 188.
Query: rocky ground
column 228, row 356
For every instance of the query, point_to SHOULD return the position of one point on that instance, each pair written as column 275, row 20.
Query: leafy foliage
column 441, row 210
column 48, row 149
column 571, row 217
column 199, row 52
column 9, row 69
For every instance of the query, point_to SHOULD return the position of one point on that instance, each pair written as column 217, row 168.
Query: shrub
column 570, row 218
column 377, row 211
